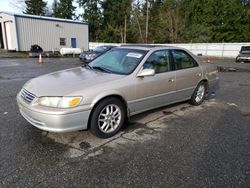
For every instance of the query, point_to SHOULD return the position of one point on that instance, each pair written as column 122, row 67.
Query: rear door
column 188, row 74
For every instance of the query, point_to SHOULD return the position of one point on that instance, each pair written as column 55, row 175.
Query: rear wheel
column 107, row 118
column 199, row 94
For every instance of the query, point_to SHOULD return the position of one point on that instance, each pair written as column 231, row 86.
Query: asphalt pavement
column 175, row 146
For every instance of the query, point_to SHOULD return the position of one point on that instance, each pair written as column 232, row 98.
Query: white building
column 19, row 31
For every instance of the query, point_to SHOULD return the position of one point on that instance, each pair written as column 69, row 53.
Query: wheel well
column 206, row 82
column 109, row 96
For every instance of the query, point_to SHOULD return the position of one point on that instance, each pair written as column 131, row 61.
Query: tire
column 107, row 118
column 238, row 61
column 199, row 94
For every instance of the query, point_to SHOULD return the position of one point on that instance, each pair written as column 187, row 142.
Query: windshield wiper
column 102, row 69
column 88, row 66
column 98, row 68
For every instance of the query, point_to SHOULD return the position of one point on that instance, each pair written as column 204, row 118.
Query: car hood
column 63, row 83
column 89, row 52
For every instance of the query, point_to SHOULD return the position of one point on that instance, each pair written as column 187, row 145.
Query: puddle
column 167, row 113
column 84, row 145
column 184, row 108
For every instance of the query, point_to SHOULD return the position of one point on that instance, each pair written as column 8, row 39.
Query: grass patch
column 9, row 54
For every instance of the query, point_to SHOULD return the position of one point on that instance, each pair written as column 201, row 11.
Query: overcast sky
column 15, row 6
column 6, row 6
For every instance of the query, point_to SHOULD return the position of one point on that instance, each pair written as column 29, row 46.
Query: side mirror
column 146, row 72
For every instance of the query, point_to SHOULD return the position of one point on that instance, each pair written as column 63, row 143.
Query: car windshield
column 101, row 49
column 119, row 61
column 245, row 52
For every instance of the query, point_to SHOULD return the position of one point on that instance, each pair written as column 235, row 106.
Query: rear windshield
column 245, row 52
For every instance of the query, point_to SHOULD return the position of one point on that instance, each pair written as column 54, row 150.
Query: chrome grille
column 27, row 96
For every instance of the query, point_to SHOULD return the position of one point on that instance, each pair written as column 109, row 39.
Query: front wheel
column 107, row 118
column 199, row 94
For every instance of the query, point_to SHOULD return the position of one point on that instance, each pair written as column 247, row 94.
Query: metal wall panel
column 47, row 33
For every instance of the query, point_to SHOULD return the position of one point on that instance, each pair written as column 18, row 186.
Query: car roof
column 148, row 47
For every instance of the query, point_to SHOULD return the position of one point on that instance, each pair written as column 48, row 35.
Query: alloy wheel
column 109, row 118
column 200, row 93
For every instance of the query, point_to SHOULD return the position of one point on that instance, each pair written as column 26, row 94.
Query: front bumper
column 84, row 60
column 53, row 122
column 243, row 59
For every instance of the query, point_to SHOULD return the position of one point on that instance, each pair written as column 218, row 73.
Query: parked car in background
column 244, row 55
column 122, row 82
column 88, row 56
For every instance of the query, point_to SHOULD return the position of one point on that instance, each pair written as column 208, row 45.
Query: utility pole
column 147, row 22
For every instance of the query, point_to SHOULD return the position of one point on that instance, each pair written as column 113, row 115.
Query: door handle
column 171, row 80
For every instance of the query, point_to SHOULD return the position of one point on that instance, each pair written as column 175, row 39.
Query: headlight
column 60, row 102
column 90, row 56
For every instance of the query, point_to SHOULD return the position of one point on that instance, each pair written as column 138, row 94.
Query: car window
column 159, row 61
column 245, row 52
column 183, row 60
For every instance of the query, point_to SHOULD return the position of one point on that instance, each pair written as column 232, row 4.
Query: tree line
column 155, row 21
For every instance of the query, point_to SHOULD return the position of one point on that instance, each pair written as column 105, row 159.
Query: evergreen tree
column 215, row 21
column 170, row 21
column 65, row 9
column 54, row 7
column 116, row 14
column 93, row 16
column 35, row 7
column 227, row 21
column 154, row 28
column 194, row 28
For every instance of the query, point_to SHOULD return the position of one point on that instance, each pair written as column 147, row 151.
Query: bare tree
column 18, row 5
column 171, row 20
column 138, row 25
